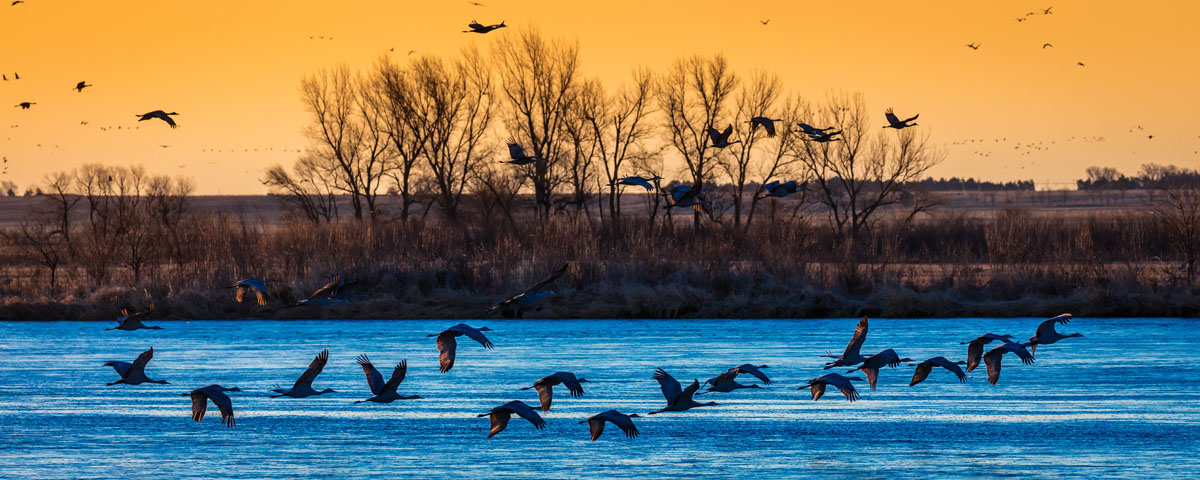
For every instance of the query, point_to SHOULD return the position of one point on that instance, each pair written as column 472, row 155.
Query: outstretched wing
column 1046, row 329
column 224, row 404
column 478, row 336
column 542, row 285
column 139, row 365
column 545, row 396
column 993, row 366
column 669, row 386
column 327, row 289
column 922, row 373
column 909, row 119
column 398, row 374
column 714, row 135
column 499, row 422
column 528, row 413
column 199, row 404
column 122, row 368
column 872, row 377
column 753, row 370
column 446, row 346
column 516, row 152
column 891, row 117
column 856, row 342
column 314, row 369
column 687, row 393
column 374, row 378
column 846, row 387
column 974, row 353
column 596, row 426
column 818, row 389
column 948, row 365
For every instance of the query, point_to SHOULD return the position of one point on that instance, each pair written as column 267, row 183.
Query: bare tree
column 41, row 241
column 692, row 96
column 62, row 199
column 389, row 94
column 498, row 187
column 1179, row 213
column 307, row 192
column 582, row 147
column 619, row 125
column 538, row 82
column 865, row 171
column 779, row 157
column 756, row 98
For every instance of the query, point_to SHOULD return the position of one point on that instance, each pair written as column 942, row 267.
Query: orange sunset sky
column 232, row 70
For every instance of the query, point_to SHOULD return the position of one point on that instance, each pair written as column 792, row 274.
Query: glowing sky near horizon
column 232, row 70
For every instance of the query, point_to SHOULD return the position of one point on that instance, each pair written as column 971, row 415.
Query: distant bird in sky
column 766, row 123
column 477, row 4
column 499, row 416
column 133, row 321
column 1020, row 19
column 779, row 190
column 447, row 344
column 843, row 384
column 303, row 386
column 16, row 76
column 545, row 387
column 476, row 27
column 764, row 22
column 894, row 122
column 973, row 46
column 1046, row 11
column 1046, row 334
column 885, row 358
column 678, row 399
column 621, row 420
column 994, row 356
column 1047, row 45
column 518, row 156
column 4, row 76
column 25, row 105
column 247, row 285
column 721, row 139
column 134, row 373
column 516, row 305
column 80, row 86
column 852, row 355
column 216, row 393
column 638, row 181
column 384, row 392
column 924, row 368
column 1080, row 64
column 18, row 2
column 159, row 114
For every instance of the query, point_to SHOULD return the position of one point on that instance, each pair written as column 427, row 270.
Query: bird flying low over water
column 975, row 347
column 779, row 190
column 133, row 321
column 894, row 122
column 159, row 114
column 621, row 420
column 852, row 355
column 993, row 357
column 1046, row 334
column 134, row 373
column 384, row 392
column 638, row 181
column 721, row 139
column 545, row 387
column 732, row 373
column 678, row 399
column 516, row 305
column 476, row 27
column 500, row 416
column 843, row 384
column 871, row 366
column 80, row 86
column 447, row 344
column 518, row 156
column 216, row 393
column 246, row 285
column 766, row 123
column 925, row 367
column 303, row 386
column 25, row 105
column 335, row 290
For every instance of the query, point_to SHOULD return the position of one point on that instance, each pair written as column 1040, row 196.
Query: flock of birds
column 678, row 398
column 1044, row 11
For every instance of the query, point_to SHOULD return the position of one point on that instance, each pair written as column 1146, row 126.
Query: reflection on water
column 1122, row 401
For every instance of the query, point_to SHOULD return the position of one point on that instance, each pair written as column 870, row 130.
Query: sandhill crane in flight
column 246, row 285
column 500, row 416
column 825, row 137
column 678, row 400
column 476, row 27
column 335, row 290
column 975, row 347
column 852, row 355
column 133, row 321
column 811, row 130
column 764, row 22
column 447, row 345
column 925, row 367
column 159, row 114
column 1080, row 64
column 516, row 305
column 25, row 105
column 727, row 382
column 1044, row 45
column 638, row 181
column 1046, row 334
column 685, row 196
column 80, row 86
column 779, row 190
column 518, row 156
column 384, row 392
column 973, row 46
column 740, row 369
column 1046, row 11
column 894, row 122
column 477, row 4
column 721, row 139
column 545, row 387
column 621, row 420
column 871, row 366
column 766, row 123
column 303, row 386
column 993, row 357
column 817, row 386
column 216, row 393
column 134, row 373
column 17, row 2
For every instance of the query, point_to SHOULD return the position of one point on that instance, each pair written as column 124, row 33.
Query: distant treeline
column 1152, row 175
column 971, row 184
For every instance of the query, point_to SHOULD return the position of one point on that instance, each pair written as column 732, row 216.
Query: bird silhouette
column 545, row 387
column 779, row 190
column 925, row 367
column 871, row 366
column 973, row 46
column 246, row 285
column 825, row 137
column 80, row 86
column 843, row 384
column 303, row 386
column 1046, row 334
column 1045, row 45
column 894, row 122
column 25, row 105
column 764, row 22
column 1046, row 11
column 852, row 355
column 384, row 392
column 621, row 420
column 765, row 122
column 994, row 356
column 476, row 27
column 975, row 347
column 678, row 399
column 134, row 373
column 638, row 181
column 721, row 139
column 215, row 393
column 500, row 416
column 159, row 114
column 518, row 156
column 516, row 305
column 133, row 321
column 447, row 344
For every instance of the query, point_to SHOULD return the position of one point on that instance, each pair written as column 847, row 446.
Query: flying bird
column 925, row 367
column 1046, row 11
column 894, row 122
column 871, row 366
column 621, row 420
column 447, row 344
column 159, row 114
column 726, row 382
column 17, row 2
column 334, row 290
column 130, row 322
column 247, row 285
column 638, row 181
column 384, row 392
column 1080, row 64
column 975, row 347
column 825, row 137
column 678, row 399
column 545, row 387
column 1047, row 44
column 476, row 27
column 852, row 355
column 216, row 393
column 721, row 139
column 779, row 190
column 685, row 196
column 811, row 130
column 994, row 356
column 25, row 105
column 1046, row 334
column 973, row 46
column 500, row 416
column 843, row 384
column 80, row 86
column 519, row 157
column 516, row 305
column 477, row 4
column 303, row 386
column 766, row 123
column 134, row 373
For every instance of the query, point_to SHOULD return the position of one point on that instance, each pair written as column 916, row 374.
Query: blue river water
column 1121, row 402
